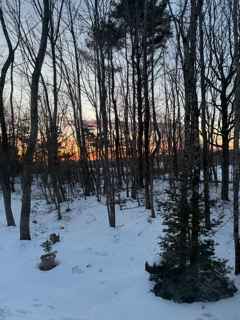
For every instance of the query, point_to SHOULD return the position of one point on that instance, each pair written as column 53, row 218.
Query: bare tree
column 29, row 155
column 5, row 147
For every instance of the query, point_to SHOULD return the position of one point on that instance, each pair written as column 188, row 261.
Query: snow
column 101, row 274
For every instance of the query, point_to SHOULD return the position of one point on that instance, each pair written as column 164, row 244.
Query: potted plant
column 48, row 260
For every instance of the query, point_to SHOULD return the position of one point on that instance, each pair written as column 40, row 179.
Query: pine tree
column 129, row 16
column 176, row 277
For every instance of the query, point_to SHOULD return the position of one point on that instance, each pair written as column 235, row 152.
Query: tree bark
column 28, row 157
column 236, row 162
column 5, row 154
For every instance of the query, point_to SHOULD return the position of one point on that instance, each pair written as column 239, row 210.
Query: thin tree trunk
column 236, row 162
column 205, row 160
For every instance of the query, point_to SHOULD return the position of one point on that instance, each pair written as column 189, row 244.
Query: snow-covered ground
column 100, row 275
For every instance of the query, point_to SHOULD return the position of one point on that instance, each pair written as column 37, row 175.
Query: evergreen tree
column 175, row 276
column 129, row 15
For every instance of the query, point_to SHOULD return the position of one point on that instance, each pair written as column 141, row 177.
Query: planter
column 48, row 261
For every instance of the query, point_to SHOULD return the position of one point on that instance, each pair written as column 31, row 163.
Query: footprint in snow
column 77, row 270
column 70, row 318
column 37, row 305
column 102, row 254
column 102, row 282
column 51, row 307
column 207, row 315
column 4, row 313
column 22, row 311
column 90, row 220
column 116, row 238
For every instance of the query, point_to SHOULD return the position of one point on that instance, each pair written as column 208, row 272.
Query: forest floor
column 101, row 274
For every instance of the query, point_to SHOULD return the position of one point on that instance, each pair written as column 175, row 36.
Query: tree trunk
column 147, row 178
column 205, row 161
column 5, row 156
column 236, row 162
column 225, row 148
column 28, row 158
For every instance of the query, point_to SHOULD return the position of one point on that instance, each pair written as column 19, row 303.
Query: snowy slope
column 101, row 272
